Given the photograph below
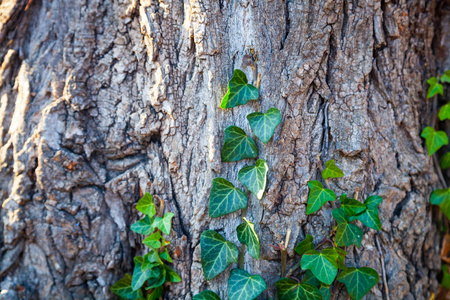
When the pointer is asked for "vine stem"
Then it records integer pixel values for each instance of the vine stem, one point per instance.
(386, 287)
(284, 253)
(242, 248)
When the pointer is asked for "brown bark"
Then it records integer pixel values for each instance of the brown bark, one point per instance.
(101, 101)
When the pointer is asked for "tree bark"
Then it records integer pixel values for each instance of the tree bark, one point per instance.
(102, 101)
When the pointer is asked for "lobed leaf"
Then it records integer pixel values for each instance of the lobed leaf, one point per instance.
(238, 145)
(322, 264)
(225, 198)
(216, 253)
(370, 217)
(165, 255)
(289, 289)
(445, 162)
(206, 295)
(348, 234)
(446, 77)
(331, 170)
(156, 293)
(444, 112)
(122, 288)
(351, 206)
(305, 245)
(155, 282)
(318, 196)
(171, 275)
(441, 197)
(254, 178)
(146, 206)
(242, 286)
(263, 125)
(143, 226)
(153, 241)
(325, 292)
(165, 223)
(358, 281)
(434, 139)
(151, 260)
(139, 276)
(445, 282)
(435, 87)
(247, 235)
(239, 91)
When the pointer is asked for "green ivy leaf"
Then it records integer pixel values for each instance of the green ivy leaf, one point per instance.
(435, 87)
(216, 253)
(322, 264)
(348, 234)
(445, 162)
(370, 217)
(351, 206)
(305, 245)
(263, 125)
(122, 288)
(171, 275)
(143, 226)
(288, 289)
(164, 223)
(225, 198)
(340, 215)
(254, 177)
(155, 293)
(145, 205)
(158, 281)
(239, 91)
(358, 281)
(445, 283)
(139, 276)
(444, 112)
(325, 292)
(151, 260)
(309, 278)
(238, 145)
(442, 198)
(434, 139)
(206, 295)
(331, 170)
(446, 77)
(247, 235)
(318, 196)
(165, 255)
(242, 286)
(153, 241)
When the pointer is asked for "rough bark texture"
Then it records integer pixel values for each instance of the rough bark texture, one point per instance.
(104, 100)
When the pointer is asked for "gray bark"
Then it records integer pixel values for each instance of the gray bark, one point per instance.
(104, 100)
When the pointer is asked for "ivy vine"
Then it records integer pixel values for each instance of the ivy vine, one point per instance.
(322, 268)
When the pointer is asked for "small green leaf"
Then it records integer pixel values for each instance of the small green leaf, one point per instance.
(318, 196)
(122, 288)
(331, 170)
(445, 162)
(238, 145)
(445, 283)
(254, 177)
(442, 198)
(155, 293)
(247, 235)
(164, 223)
(151, 260)
(145, 205)
(216, 253)
(446, 77)
(139, 276)
(435, 87)
(239, 91)
(242, 286)
(351, 206)
(143, 226)
(370, 217)
(373, 201)
(153, 241)
(206, 295)
(263, 125)
(434, 139)
(305, 245)
(309, 278)
(165, 255)
(348, 234)
(171, 275)
(157, 281)
(358, 281)
(288, 289)
(325, 292)
(225, 198)
(444, 112)
(340, 215)
(322, 264)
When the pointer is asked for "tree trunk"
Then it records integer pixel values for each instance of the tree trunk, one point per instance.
(104, 100)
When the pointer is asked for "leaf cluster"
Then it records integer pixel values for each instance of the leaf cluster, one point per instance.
(150, 271)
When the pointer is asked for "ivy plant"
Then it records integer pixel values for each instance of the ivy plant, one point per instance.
(150, 271)
(324, 266)
(435, 140)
